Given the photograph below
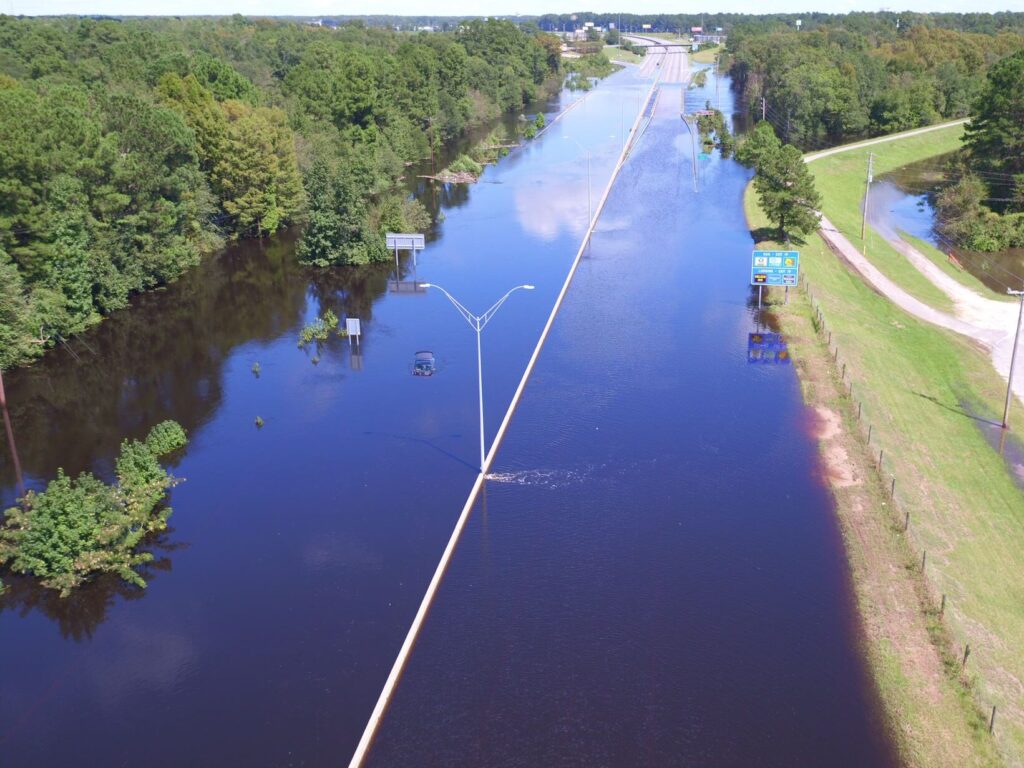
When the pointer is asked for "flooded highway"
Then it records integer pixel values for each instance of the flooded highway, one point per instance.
(652, 576)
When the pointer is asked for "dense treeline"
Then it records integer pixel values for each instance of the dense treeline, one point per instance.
(130, 148)
(835, 84)
(863, 22)
(983, 208)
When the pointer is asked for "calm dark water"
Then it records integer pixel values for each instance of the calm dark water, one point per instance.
(299, 552)
(655, 576)
(903, 201)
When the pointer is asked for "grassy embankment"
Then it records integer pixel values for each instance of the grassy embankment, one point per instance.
(705, 55)
(615, 53)
(920, 389)
(844, 175)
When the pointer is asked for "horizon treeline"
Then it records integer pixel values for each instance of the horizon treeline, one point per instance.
(132, 147)
(834, 84)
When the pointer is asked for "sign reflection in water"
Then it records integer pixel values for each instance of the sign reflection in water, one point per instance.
(767, 348)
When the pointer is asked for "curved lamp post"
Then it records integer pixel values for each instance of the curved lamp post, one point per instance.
(478, 323)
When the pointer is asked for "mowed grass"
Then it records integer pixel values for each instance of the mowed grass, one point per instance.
(923, 391)
(842, 180)
(705, 55)
(615, 53)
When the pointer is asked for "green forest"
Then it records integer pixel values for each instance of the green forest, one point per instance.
(836, 84)
(131, 148)
(839, 83)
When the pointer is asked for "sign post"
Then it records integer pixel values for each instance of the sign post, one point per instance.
(405, 242)
(778, 268)
(353, 329)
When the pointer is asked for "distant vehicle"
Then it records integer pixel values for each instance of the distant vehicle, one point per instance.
(424, 364)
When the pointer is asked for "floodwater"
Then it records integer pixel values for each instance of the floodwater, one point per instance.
(656, 577)
(298, 553)
(903, 202)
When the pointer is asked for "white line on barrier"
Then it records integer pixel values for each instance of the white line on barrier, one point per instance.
(363, 748)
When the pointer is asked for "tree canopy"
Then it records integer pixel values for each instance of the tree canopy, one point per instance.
(783, 184)
(132, 147)
(838, 82)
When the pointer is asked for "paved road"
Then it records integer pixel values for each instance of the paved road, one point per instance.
(668, 60)
(991, 323)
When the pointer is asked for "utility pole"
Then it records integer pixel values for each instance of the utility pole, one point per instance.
(867, 192)
(764, 108)
(1013, 358)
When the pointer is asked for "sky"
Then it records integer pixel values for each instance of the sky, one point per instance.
(479, 7)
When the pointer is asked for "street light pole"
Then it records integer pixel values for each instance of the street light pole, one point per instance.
(1013, 358)
(478, 323)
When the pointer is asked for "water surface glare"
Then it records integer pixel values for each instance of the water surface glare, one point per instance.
(653, 575)
(298, 552)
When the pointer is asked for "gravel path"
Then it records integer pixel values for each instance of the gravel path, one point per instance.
(989, 322)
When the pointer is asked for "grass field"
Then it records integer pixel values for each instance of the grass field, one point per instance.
(844, 176)
(928, 395)
(705, 55)
(615, 53)
(962, 276)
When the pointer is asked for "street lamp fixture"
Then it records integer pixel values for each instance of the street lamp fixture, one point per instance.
(478, 323)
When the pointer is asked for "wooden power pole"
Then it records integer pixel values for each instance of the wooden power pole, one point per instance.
(867, 193)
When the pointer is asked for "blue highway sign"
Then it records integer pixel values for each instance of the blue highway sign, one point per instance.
(775, 268)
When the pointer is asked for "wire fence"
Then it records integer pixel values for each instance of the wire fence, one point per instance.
(885, 472)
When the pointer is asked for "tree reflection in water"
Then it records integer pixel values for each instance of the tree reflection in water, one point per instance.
(79, 615)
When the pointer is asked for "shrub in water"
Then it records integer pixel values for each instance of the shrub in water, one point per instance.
(81, 526)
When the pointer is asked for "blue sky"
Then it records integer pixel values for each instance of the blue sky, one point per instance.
(477, 7)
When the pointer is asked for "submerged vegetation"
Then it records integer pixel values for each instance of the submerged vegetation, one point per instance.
(714, 131)
(79, 527)
(320, 329)
(133, 146)
(580, 72)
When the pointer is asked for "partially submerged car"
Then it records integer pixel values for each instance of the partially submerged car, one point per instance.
(424, 364)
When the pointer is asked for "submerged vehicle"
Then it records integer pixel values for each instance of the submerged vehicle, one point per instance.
(423, 364)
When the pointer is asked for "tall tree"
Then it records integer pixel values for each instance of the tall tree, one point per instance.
(995, 135)
(786, 190)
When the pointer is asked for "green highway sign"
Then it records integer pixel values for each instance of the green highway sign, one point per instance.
(775, 268)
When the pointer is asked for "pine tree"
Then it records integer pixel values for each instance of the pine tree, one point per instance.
(786, 191)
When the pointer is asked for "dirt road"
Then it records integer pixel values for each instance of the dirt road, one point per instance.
(989, 322)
